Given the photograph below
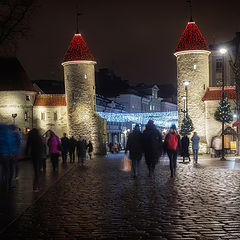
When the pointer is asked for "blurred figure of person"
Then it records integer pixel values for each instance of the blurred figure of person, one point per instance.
(5, 151)
(195, 146)
(172, 146)
(43, 156)
(135, 148)
(54, 144)
(185, 147)
(90, 149)
(152, 144)
(65, 147)
(217, 145)
(34, 150)
(110, 145)
(81, 150)
(72, 148)
(14, 150)
(115, 148)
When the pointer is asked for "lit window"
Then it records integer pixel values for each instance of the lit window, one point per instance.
(25, 116)
(43, 116)
(150, 107)
(85, 76)
(153, 107)
(194, 66)
(55, 116)
(219, 62)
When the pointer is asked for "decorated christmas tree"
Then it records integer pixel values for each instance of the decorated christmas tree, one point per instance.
(187, 126)
(224, 113)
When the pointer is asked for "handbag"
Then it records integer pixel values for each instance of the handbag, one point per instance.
(126, 164)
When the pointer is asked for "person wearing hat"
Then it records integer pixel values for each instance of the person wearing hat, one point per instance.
(135, 148)
(172, 145)
(152, 140)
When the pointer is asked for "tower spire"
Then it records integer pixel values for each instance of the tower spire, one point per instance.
(190, 9)
(77, 16)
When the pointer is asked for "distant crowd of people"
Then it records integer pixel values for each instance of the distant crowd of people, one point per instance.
(38, 148)
(151, 144)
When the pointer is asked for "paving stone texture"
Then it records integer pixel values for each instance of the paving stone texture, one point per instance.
(99, 201)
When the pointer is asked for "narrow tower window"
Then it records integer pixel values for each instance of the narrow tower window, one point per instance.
(85, 76)
(43, 116)
(55, 116)
(195, 67)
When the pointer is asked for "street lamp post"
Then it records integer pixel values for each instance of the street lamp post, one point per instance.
(223, 51)
(184, 104)
(186, 84)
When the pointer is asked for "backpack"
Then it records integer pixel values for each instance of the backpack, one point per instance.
(172, 141)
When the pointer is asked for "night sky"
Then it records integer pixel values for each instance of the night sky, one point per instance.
(136, 38)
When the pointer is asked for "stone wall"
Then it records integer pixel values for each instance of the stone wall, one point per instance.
(55, 119)
(19, 102)
(82, 118)
(193, 66)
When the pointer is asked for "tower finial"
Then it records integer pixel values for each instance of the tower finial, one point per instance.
(78, 14)
(190, 9)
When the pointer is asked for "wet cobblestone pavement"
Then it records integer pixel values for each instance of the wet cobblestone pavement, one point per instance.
(99, 201)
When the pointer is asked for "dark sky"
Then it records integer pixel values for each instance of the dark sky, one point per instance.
(136, 38)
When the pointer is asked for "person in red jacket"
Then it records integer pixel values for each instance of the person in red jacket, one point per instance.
(172, 145)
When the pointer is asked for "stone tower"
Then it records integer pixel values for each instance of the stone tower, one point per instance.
(193, 66)
(79, 77)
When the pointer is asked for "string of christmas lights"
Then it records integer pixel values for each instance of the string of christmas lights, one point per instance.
(78, 50)
(192, 39)
(161, 119)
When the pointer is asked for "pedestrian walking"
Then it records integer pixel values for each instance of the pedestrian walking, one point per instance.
(90, 149)
(185, 147)
(195, 146)
(72, 148)
(152, 144)
(217, 145)
(65, 148)
(43, 156)
(81, 150)
(172, 145)
(15, 138)
(34, 149)
(54, 145)
(135, 148)
(5, 151)
(110, 145)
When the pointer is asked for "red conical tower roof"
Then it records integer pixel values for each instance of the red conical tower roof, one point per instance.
(191, 39)
(78, 50)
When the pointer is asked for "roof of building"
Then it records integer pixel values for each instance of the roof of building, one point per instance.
(50, 100)
(12, 75)
(215, 93)
(78, 50)
(50, 86)
(191, 39)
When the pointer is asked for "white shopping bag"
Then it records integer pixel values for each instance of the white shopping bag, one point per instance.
(126, 164)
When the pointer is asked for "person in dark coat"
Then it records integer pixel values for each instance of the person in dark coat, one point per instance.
(172, 145)
(135, 148)
(34, 149)
(90, 149)
(81, 150)
(152, 143)
(185, 147)
(72, 148)
(65, 147)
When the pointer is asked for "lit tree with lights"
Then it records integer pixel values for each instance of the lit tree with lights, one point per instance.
(224, 112)
(187, 126)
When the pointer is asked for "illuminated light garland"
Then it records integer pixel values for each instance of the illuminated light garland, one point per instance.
(78, 50)
(161, 119)
(191, 39)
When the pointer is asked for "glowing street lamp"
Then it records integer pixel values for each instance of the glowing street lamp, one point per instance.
(223, 51)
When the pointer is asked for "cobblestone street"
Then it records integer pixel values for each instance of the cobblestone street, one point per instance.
(99, 201)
